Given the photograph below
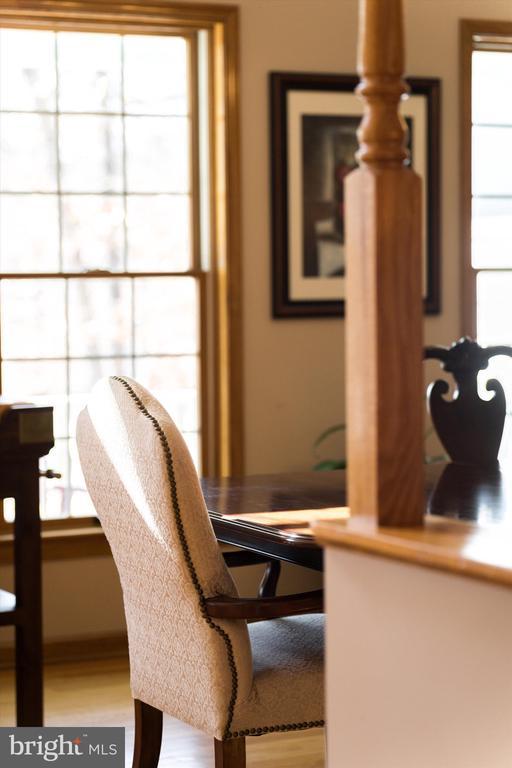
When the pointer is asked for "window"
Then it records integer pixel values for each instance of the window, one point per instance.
(486, 204)
(112, 214)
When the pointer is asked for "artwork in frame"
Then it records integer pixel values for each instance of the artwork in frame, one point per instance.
(314, 119)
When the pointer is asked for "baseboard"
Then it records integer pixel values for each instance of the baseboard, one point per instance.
(109, 646)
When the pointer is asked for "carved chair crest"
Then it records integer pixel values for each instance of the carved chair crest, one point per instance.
(469, 428)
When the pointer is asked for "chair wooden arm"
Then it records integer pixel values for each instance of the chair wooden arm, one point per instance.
(223, 607)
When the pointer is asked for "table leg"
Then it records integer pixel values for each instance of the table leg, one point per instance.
(27, 577)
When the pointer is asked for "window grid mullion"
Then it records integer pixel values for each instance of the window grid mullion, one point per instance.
(92, 358)
(125, 185)
(125, 211)
(132, 309)
(89, 113)
(57, 154)
(66, 469)
(86, 193)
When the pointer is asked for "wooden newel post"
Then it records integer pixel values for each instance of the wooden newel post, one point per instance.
(384, 304)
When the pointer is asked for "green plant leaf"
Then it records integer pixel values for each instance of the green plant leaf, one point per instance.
(330, 431)
(328, 464)
(436, 459)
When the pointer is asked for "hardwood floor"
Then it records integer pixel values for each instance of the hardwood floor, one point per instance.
(98, 693)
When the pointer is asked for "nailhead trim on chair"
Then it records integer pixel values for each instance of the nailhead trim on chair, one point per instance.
(186, 551)
(199, 590)
(278, 728)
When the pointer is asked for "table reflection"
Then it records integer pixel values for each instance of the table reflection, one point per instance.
(477, 494)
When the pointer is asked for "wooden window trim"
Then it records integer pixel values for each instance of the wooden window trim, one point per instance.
(221, 23)
(72, 543)
(468, 29)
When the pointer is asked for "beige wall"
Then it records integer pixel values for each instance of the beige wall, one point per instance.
(294, 369)
(423, 665)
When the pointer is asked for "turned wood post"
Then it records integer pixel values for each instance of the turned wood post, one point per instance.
(384, 302)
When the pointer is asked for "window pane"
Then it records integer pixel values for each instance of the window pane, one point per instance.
(83, 375)
(157, 154)
(29, 233)
(27, 70)
(492, 161)
(89, 72)
(80, 504)
(158, 233)
(494, 307)
(491, 234)
(92, 232)
(500, 368)
(28, 161)
(99, 317)
(155, 75)
(91, 153)
(32, 318)
(42, 382)
(166, 316)
(76, 476)
(491, 78)
(175, 382)
(192, 441)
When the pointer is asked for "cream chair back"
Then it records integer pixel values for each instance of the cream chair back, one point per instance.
(146, 492)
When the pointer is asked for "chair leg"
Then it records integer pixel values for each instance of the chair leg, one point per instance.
(270, 578)
(230, 754)
(148, 735)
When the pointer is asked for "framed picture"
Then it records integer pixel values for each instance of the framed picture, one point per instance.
(314, 119)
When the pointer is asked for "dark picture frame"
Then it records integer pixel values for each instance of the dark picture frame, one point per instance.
(312, 149)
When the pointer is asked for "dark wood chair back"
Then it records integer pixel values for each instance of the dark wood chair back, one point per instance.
(469, 428)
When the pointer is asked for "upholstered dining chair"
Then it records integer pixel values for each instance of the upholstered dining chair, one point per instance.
(192, 653)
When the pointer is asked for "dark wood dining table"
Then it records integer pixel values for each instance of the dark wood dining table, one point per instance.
(270, 514)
